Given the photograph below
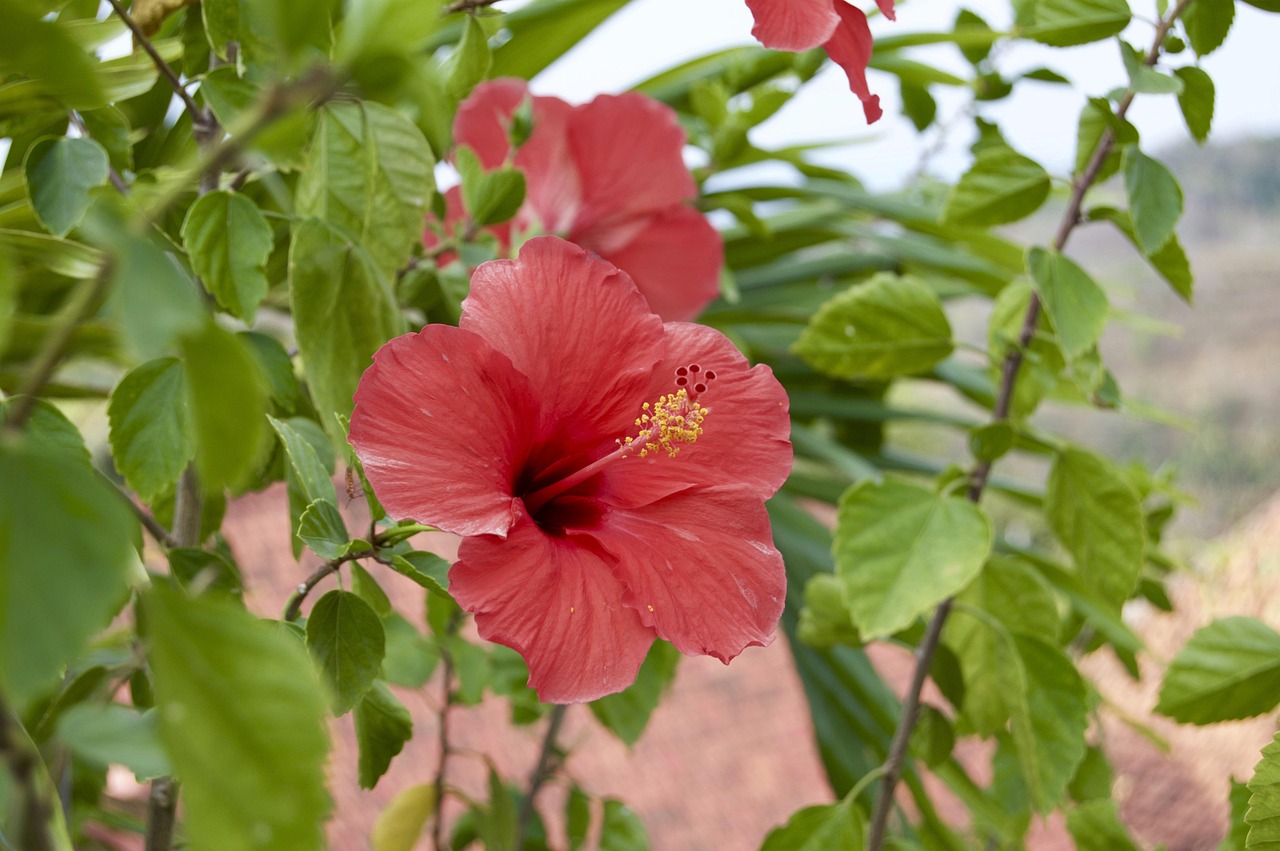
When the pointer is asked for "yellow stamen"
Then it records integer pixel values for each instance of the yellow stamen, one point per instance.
(670, 422)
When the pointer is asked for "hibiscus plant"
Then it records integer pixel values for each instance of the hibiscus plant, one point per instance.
(544, 396)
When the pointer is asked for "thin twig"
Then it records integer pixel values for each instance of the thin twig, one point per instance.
(198, 116)
(116, 180)
(146, 518)
(294, 605)
(442, 737)
(543, 770)
(1009, 369)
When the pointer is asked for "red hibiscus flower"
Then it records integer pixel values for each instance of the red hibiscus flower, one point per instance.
(608, 175)
(607, 471)
(839, 27)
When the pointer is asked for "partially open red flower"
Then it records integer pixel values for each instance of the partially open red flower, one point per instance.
(607, 471)
(839, 27)
(608, 175)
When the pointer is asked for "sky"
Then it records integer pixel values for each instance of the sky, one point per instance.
(1039, 119)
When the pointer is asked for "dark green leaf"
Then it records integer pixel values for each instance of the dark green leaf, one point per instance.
(1096, 826)
(383, 726)
(627, 713)
(114, 734)
(622, 829)
(346, 638)
(1095, 119)
(902, 549)
(367, 588)
(825, 619)
(60, 173)
(1229, 669)
(577, 818)
(885, 327)
(1263, 816)
(1196, 101)
(410, 658)
(1098, 518)
(427, 569)
(1155, 199)
(1076, 305)
(490, 197)
(400, 824)
(1207, 23)
(933, 738)
(66, 551)
(1238, 833)
(470, 62)
(238, 698)
(820, 828)
(152, 437)
(343, 310)
(229, 242)
(369, 175)
(1001, 186)
(200, 570)
(277, 368)
(321, 528)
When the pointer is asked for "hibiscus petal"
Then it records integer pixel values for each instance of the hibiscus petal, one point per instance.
(746, 435)
(886, 9)
(577, 327)
(792, 24)
(850, 48)
(482, 119)
(675, 260)
(441, 424)
(701, 569)
(629, 153)
(555, 601)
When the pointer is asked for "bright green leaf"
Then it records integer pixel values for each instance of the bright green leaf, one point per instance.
(238, 699)
(151, 433)
(383, 726)
(627, 713)
(1263, 816)
(1076, 305)
(885, 327)
(470, 61)
(1238, 834)
(114, 734)
(229, 242)
(1001, 186)
(622, 829)
(1196, 100)
(490, 197)
(345, 636)
(1064, 23)
(427, 569)
(1155, 199)
(44, 52)
(902, 549)
(1143, 79)
(1096, 826)
(400, 824)
(1207, 23)
(60, 173)
(321, 528)
(820, 828)
(1229, 669)
(544, 30)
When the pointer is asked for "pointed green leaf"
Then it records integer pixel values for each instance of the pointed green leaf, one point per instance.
(1196, 100)
(66, 551)
(321, 528)
(1076, 305)
(820, 829)
(1155, 199)
(490, 197)
(544, 30)
(1229, 669)
(343, 311)
(627, 713)
(427, 569)
(885, 327)
(364, 586)
(1064, 23)
(1143, 79)
(369, 175)
(60, 173)
(238, 700)
(1238, 834)
(346, 638)
(1097, 516)
(1170, 261)
(1001, 186)
(152, 437)
(1263, 816)
(114, 734)
(902, 549)
(470, 61)
(383, 725)
(410, 658)
(229, 242)
(1096, 826)
(1207, 23)
(622, 829)
(400, 824)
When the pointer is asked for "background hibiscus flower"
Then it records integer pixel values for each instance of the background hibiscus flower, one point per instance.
(609, 176)
(581, 546)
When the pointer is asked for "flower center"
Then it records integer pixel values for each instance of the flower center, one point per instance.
(666, 425)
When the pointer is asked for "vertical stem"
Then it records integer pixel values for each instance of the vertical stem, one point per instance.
(1009, 369)
(437, 827)
(36, 811)
(541, 771)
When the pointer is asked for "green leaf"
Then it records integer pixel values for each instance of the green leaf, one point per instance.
(992, 441)
(379, 32)
(577, 817)
(345, 636)
(238, 698)
(470, 61)
(322, 529)
(115, 734)
(1064, 23)
(383, 726)
(1207, 23)
(627, 713)
(1143, 79)
(1155, 199)
(369, 175)
(1098, 518)
(204, 569)
(410, 658)
(427, 569)
(229, 242)
(44, 52)
(825, 619)
(622, 829)
(151, 431)
(277, 368)
(60, 172)
(400, 824)
(544, 30)
(1001, 186)
(1095, 119)
(886, 327)
(1076, 305)
(235, 100)
(498, 825)
(1263, 816)
(820, 829)
(343, 311)
(66, 551)
(490, 197)
(1196, 100)
(1170, 261)
(1238, 833)
(366, 588)
(1096, 826)
(307, 476)
(228, 407)
(902, 549)
(1229, 669)
(1093, 777)
(933, 738)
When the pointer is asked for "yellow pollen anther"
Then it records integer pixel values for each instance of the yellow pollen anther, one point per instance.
(667, 424)
(572, 610)
(651, 608)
